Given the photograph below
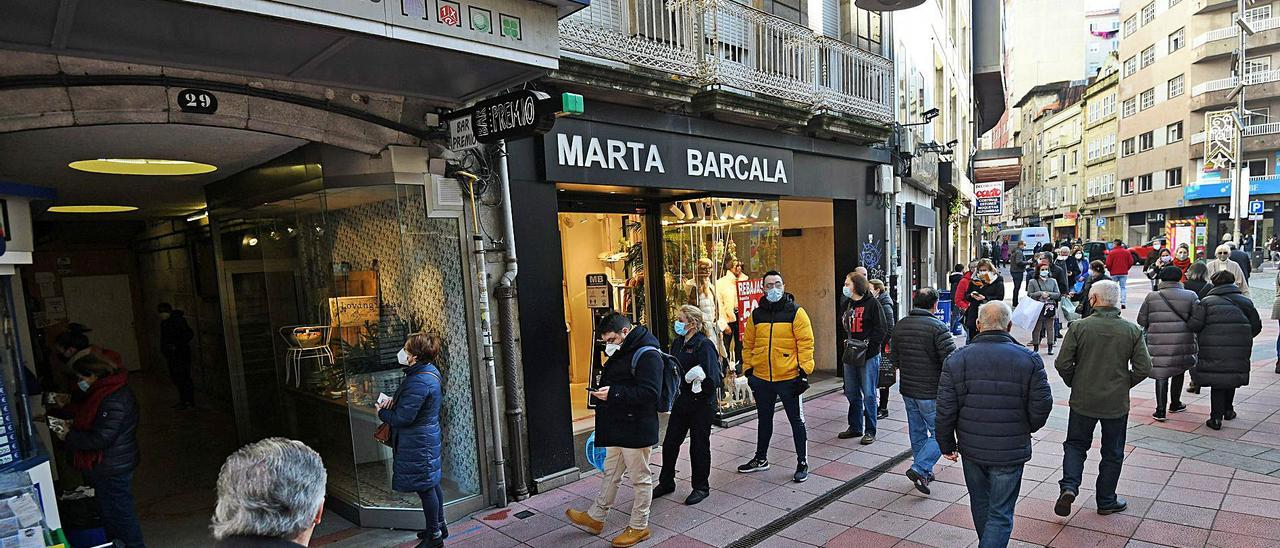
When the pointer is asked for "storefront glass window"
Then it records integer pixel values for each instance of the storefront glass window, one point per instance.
(702, 241)
(325, 288)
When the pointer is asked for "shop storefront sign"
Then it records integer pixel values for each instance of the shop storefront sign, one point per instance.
(989, 199)
(595, 153)
(514, 115)
(597, 291)
(353, 311)
(749, 294)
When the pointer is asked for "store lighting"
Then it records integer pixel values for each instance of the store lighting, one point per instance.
(197, 216)
(675, 210)
(92, 209)
(719, 210)
(141, 166)
(250, 240)
(743, 207)
(755, 210)
(688, 210)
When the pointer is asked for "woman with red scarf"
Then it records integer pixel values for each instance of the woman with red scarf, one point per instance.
(104, 445)
(1182, 259)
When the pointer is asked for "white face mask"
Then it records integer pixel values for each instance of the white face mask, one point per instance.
(610, 348)
(403, 357)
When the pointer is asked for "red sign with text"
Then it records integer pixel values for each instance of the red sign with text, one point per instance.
(749, 294)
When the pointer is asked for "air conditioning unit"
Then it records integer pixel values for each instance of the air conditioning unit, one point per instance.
(907, 143)
(882, 179)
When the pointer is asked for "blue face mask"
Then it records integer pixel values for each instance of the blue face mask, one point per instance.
(84, 385)
(848, 293)
(774, 295)
(681, 328)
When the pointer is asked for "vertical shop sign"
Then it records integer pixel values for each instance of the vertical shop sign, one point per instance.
(1221, 141)
(749, 294)
(599, 301)
(989, 199)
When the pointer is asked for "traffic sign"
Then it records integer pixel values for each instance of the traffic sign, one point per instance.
(1102, 222)
(1255, 207)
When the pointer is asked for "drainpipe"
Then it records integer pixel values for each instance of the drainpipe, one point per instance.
(506, 292)
(486, 333)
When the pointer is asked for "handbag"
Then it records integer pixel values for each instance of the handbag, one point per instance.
(888, 374)
(1050, 308)
(382, 434)
(855, 352)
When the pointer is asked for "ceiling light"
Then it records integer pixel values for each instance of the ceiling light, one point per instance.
(675, 210)
(141, 166)
(92, 209)
(250, 240)
(197, 216)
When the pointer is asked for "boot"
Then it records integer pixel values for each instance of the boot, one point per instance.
(1051, 350)
(583, 520)
(631, 537)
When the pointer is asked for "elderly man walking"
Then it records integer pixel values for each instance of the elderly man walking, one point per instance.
(922, 344)
(1095, 363)
(270, 494)
(992, 395)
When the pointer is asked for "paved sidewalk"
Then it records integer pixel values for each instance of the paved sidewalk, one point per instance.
(1186, 485)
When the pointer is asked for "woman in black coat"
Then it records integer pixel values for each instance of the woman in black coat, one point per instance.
(1226, 323)
(1197, 281)
(1097, 273)
(987, 286)
(695, 408)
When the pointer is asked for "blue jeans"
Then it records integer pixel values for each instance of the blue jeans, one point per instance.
(860, 390)
(767, 394)
(1123, 281)
(114, 494)
(924, 441)
(993, 491)
(1076, 448)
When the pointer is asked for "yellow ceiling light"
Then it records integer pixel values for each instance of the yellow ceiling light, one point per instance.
(92, 209)
(141, 166)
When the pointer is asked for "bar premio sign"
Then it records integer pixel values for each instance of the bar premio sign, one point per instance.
(594, 153)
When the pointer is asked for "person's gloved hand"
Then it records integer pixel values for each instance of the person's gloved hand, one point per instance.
(695, 376)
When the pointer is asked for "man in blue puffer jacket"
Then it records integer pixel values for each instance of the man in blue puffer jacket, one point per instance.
(992, 395)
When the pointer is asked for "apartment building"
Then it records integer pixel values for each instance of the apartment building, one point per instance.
(1098, 219)
(1063, 161)
(1050, 133)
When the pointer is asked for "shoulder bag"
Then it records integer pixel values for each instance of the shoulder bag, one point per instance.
(383, 433)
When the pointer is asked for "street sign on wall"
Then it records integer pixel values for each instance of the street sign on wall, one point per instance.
(989, 199)
(1221, 139)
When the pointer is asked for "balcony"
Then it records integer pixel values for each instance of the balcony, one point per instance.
(723, 45)
(1214, 93)
(1219, 43)
(1257, 137)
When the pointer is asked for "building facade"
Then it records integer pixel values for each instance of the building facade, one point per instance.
(1063, 162)
(1098, 219)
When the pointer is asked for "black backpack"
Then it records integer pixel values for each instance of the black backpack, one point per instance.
(669, 389)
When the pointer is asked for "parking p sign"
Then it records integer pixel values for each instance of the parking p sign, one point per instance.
(1255, 207)
(1102, 222)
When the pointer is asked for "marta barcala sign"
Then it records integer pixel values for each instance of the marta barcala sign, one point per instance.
(598, 153)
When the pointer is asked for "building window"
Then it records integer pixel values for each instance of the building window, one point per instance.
(1255, 14)
(1173, 132)
(1130, 25)
(1148, 56)
(1146, 141)
(1109, 104)
(1148, 99)
(1130, 66)
(1075, 160)
(1091, 189)
(1257, 116)
(1148, 13)
(863, 29)
(1144, 183)
(1109, 144)
(1126, 187)
(1257, 64)
(1173, 3)
(1176, 85)
(1177, 39)
(1256, 167)
(1173, 177)
(1109, 184)
(1127, 147)
(1130, 107)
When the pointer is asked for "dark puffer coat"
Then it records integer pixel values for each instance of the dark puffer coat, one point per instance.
(993, 394)
(415, 430)
(114, 433)
(629, 418)
(1226, 322)
(921, 344)
(697, 351)
(1172, 344)
(993, 292)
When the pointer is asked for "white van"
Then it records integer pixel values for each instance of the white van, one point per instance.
(1033, 236)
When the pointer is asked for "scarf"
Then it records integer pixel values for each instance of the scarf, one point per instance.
(87, 412)
(1183, 265)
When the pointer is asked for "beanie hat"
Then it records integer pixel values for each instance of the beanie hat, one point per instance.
(1170, 274)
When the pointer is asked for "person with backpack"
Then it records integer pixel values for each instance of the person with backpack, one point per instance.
(627, 405)
(777, 348)
(694, 409)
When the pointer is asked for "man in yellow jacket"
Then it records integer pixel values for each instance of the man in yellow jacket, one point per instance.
(777, 357)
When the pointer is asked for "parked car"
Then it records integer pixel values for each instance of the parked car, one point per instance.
(1095, 250)
(1141, 252)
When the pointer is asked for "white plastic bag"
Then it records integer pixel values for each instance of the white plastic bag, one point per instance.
(1068, 310)
(1027, 313)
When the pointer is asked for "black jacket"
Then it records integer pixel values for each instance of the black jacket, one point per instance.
(1201, 287)
(114, 432)
(1061, 271)
(890, 319)
(175, 337)
(993, 291)
(864, 320)
(629, 418)
(1241, 258)
(1083, 297)
(993, 394)
(1226, 323)
(1073, 274)
(922, 343)
(697, 351)
(1017, 261)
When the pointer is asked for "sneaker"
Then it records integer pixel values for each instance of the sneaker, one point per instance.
(631, 537)
(1120, 506)
(754, 465)
(696, 496)
(663, 489)
(1178, 407)
(882, 414)
(1159, 416)
(849, 434)
(1063, 506)
(802, 472)
(868, 439)
(921, 482)
(583, 520)
(1193, 389)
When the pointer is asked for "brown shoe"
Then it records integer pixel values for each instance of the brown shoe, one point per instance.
(631, 537)
(581, 519)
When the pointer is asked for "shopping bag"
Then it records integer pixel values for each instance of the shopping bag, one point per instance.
(1068, 309)
(1027, 313)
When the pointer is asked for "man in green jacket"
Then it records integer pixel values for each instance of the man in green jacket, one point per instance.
(1095, 363)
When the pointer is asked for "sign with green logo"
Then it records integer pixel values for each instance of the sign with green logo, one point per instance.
(511, 26)
(481, 20)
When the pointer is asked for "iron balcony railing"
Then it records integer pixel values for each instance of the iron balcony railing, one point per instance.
(721, 43)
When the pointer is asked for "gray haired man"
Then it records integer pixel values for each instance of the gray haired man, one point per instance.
(270, 494)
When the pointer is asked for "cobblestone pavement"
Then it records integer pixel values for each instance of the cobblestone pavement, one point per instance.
(1187, 485)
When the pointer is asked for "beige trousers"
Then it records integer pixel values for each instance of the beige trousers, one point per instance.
(635, 462)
